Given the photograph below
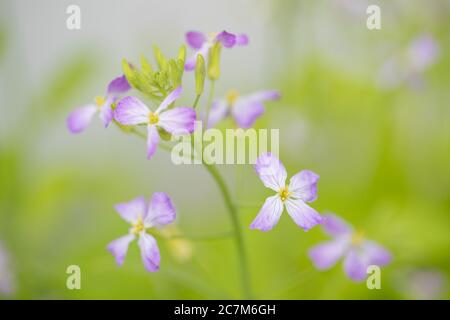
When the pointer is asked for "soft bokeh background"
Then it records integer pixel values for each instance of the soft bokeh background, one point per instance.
(383, 151)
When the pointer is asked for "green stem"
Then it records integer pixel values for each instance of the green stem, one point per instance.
(194, 237)
(237, 230)
(197, 99)
(210, 100)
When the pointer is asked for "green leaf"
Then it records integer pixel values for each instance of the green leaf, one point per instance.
(131, 74)
(146, 67)
(182, 53)
(160, 59)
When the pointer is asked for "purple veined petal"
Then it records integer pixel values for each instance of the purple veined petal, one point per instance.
(195, 39)
(132, 210)
(219, 111)
(119, 248)
(228, 40)
(161, 210)
(131, 111)
(117, 86)
(326, 254)
(149, 252)
(80, 118)
(178, 121)
(271, 171)
(336, 226)
(355, 265)
(152, 140)
(246, 112)
(269, 214)
(171, 97)
(376, 254)
(264, 95)
(192, 60)
(302, 214)
(303, 185)
(242, 39)
(106, 113)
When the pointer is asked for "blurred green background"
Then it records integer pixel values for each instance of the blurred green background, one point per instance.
(382, 152)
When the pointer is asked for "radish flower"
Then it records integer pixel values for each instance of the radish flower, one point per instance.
(357, 252)
(302, 188)
(243, 109)
(80, 118)
(178, 121)
(201, 43)
(159, 212)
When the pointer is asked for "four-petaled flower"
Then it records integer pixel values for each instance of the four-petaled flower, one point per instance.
(302, 188)
(201, 43)
(79, 119)
(177, 121)
(244, 109)
(358, 252)
(160, 211)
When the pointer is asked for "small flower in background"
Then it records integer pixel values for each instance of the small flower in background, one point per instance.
(7, 281)
(358, 253)
(244, 109)
(423, 284)
(178, 121)
(302, 188)
(180, 248)
(409, 66)
(159, 212)
(80, 118)
(201, 43)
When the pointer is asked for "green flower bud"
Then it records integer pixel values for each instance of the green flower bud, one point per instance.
(214, 61)
(200, 74)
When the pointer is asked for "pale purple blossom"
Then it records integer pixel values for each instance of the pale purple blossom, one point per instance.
(142, 216)
(302, 188)
(358, 252)
(177, 121)
(243, 109)
(201, 43)
(80, 118)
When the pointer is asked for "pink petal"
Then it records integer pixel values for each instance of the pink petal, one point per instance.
(242, 39)
(79, 119)
(132, 210)
(355, 265)
(218, 112)
(178, 121)
(152, 140)
(119, 248)
(326, 254)
(376, 254)
(269, 214)
(118, 85)
(336, 226)
(149, 252)
(228, 40)
(106, 113)
(131, 111)
(161, 210)
(195, 39)
(171, 97)
(271, 171)
(303, 185)
(245, 112)
(263, 95)
(302, 214)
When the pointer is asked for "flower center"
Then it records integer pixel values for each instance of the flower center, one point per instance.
(284, 193)
(358, 237)
(232, 97)
(153, 118)
(99, 101)
(138, 227)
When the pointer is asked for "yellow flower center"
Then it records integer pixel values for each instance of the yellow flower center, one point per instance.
(284, 193)
(358, 237)
(153, 118)
(138, 227)
(232, 97)
(99, 101)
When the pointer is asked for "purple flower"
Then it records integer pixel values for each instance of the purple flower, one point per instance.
(302, 188)
(423, 52)
(80, 118)
(244, 109)
(201, 43)
(178, 121)
(358, 253)
(159, 212)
